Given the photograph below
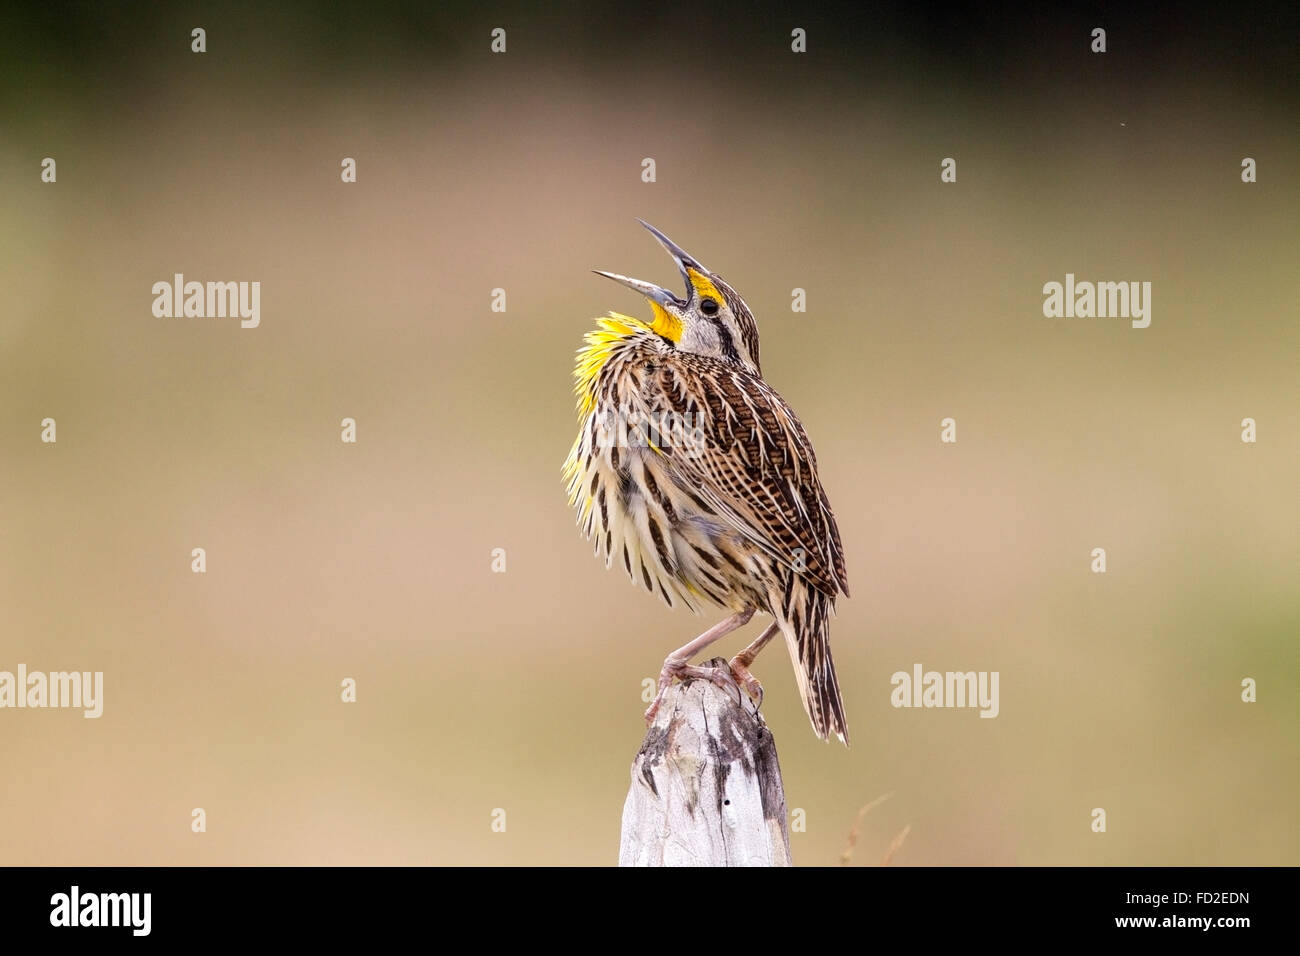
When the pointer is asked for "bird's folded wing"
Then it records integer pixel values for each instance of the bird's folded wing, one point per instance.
(745, 453)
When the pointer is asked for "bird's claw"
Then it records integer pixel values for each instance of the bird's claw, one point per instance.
(713, 671)
(740, 674)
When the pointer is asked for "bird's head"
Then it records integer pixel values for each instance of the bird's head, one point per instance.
(710, 319)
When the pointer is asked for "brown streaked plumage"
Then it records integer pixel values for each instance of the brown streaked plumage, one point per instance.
(692, 473)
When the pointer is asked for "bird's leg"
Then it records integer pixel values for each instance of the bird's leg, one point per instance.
(740, 663)
(678, 663)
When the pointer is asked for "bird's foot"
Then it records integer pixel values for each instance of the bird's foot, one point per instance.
(739, 669)
(684, 670)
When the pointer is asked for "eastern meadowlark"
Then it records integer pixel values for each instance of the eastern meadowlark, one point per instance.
(696, 476)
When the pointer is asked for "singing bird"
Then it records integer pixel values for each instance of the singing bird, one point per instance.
(691, 472)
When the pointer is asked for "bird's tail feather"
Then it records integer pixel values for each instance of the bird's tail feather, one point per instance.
(806, 626)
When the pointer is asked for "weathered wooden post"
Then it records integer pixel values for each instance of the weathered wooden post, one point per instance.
(706, 785)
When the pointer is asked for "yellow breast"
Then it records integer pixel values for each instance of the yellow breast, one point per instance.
(602, 343)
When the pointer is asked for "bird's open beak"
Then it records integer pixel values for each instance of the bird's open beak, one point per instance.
(683, 258)
(656, 293)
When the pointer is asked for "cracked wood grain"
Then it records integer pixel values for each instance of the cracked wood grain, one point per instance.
(706, 785)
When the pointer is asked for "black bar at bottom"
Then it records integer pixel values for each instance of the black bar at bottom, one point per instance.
(382, 904)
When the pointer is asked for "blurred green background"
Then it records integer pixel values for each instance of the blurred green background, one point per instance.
(522, 171)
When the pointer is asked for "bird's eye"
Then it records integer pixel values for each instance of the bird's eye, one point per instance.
(709, 307)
